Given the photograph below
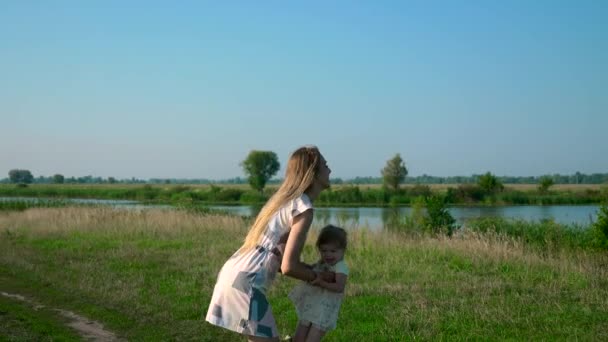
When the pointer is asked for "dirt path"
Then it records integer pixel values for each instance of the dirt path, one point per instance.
(89, 330)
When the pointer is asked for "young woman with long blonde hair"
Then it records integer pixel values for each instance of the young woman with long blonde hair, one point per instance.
(274, 242)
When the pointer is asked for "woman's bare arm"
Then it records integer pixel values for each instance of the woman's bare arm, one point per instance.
(291, 264)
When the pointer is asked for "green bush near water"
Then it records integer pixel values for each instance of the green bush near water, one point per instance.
(600, 228)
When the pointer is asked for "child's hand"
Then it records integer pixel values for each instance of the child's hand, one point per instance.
(329, 277)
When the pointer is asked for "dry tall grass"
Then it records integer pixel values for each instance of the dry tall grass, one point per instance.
(43, 221)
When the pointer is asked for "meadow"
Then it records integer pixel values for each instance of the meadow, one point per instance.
(148, 276)
(339, 195)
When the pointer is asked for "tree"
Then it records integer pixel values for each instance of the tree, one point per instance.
(111, 180)
(20, 176)
(545, 183)
(489, 183)
(58, 179)
(394, 172)
(260, 166)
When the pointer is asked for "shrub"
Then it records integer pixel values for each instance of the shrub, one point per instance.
(439, 219)
(396, 200)
(516, 197)
(489, 183)
(465, 193)
(344, 195)
(253, 197)
(420, 190)
(545, 183)
(374, 196)
(600, 228)
(229, 195)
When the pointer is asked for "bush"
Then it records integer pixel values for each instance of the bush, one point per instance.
(517, 197)
(253, 197)
(229, 195)
(544, 184)
(374, 196)
(396, 200)
(439, 219)
(465, 193)
(489, 183)
(420, 190)
(343, 195)
(604, 192)
(147, 192)
(416, 221)
(178, 189)
(600, 228)
(349, 194)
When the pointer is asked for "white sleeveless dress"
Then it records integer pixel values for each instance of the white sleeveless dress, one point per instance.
(239, 298)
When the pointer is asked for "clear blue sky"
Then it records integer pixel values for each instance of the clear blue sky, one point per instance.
(186, 89)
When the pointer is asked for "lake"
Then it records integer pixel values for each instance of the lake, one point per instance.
(375, 218)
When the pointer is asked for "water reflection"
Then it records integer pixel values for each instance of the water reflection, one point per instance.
(347, 217)
(392, 218)
(323, 217)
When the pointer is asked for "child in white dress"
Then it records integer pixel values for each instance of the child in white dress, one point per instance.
(318, 302)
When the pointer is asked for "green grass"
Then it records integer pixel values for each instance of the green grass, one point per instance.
(19, 321)
(543, 235)
(148, 276)
(339, 195)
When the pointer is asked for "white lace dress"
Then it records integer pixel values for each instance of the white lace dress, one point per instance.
(317, 305)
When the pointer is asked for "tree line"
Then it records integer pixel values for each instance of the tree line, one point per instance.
(261, 166)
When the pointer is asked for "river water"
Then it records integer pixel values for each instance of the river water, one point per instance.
(376, 218)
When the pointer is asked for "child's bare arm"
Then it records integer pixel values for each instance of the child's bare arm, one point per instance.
(337, 286)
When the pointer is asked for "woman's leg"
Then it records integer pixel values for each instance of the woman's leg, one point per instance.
(315, 334)
(301, 331)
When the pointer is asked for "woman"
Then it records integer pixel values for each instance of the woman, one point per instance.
(274, 243)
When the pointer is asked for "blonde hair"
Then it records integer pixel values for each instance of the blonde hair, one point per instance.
(301, 172)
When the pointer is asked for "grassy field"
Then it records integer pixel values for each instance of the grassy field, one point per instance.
(519, 187)
(148, 276)
(439, 187)
(338, 196)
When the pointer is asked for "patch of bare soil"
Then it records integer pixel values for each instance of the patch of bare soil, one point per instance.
(89, 330)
